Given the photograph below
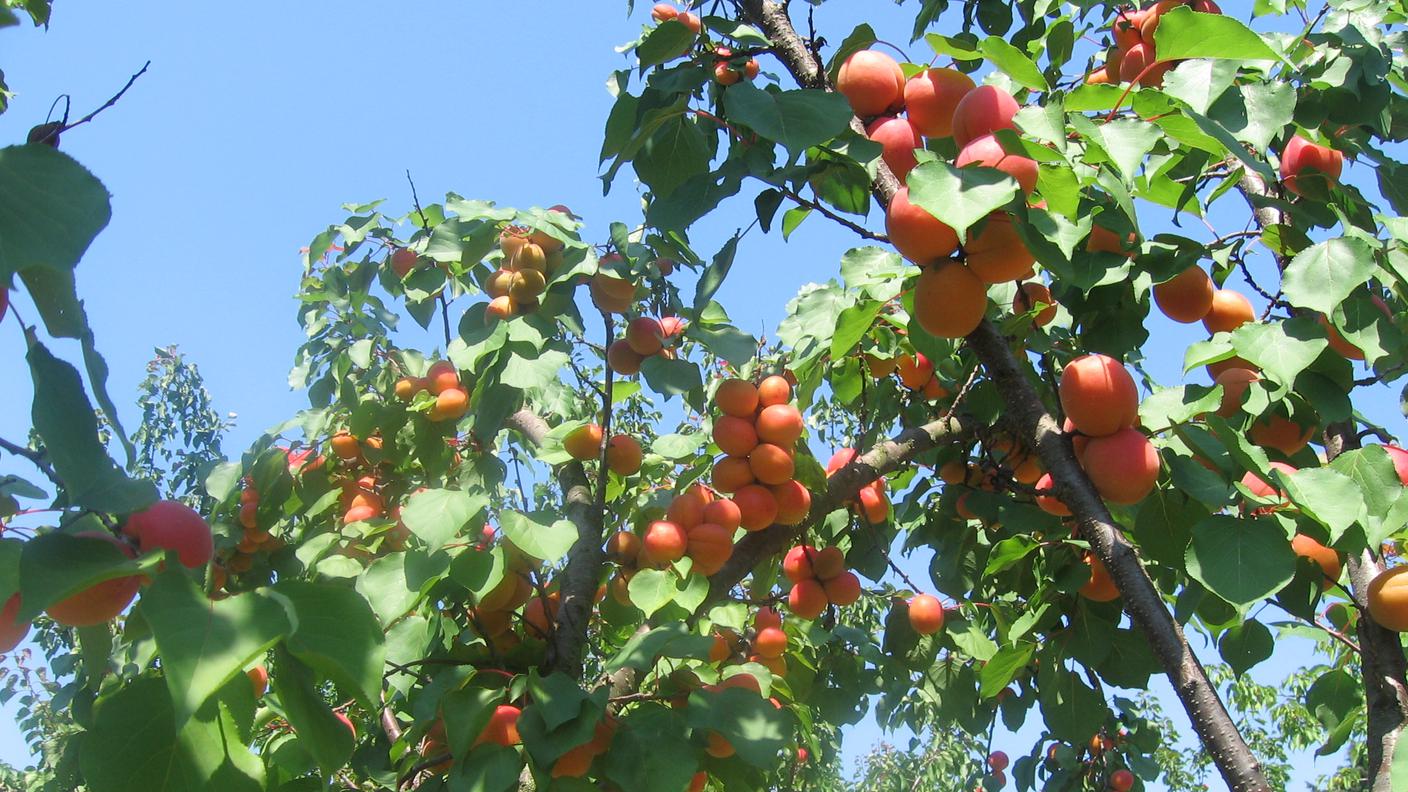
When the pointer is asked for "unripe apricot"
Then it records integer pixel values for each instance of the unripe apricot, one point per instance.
(794, 502)
(1327, 559)
(757, 507)
(403, 261)
(737, 397)
(530, 256)
(1124, 466)
(986, 151)
(931, 97)
(12, 630)
(732, 474)
(828, 562)
(996, 253)
(623, 547)
(780, 424)
(624, 455)
(898, 140)
(1281, 433)
(1309, 167)
(584, 442)
(687, 509)
(872, 82)
(1101, 587)
(770, 642)
(915, 372)
(622, 359)
(100, 602)
(526, 285)
(172, 525)
(735, 436)
(949, 301)
(1050, 503)
(842, 590)
(1388, 599)
(916, 234)
(1230, 310)
(346, 446)
(724, 513)
(926, 614)
(451, 404)
(983, 111)
(774, 390)
(1098, 395)
(1186, 297)
(645, 336)
(797, 564)
(807, 599)
(502, 728)
(1234, 382)
(710, 546)
(664, 543)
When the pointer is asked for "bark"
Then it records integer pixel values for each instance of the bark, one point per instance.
(1234, 760)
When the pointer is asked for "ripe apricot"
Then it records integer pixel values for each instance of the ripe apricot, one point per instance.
(807, 599)
(584, 442)
(915, 372)
(873, 504)
(1234, 382)
(1031, 295)
(771, 464)
(732, 474)
(828, 562)
(172, 525)
(645, 336)
(1310, 167)
(996, 253)
(1230, 310)
(691, 21)
(1326, 558)
(1399, 457)
(983, 111)
(725, 513)
(403, 261)
(258, 680)
(622, 359)
(898, 139)
(500, 309)
(575, 763)
(766, 617)
(735, 436)
(1186, 297)
(451, 404)
(1121, 781)
(1101, 587)
(916, 234)
(737, 397)
(1281, 433)
(717, 746)
(1103, 240)
(1216, 368)
(698, 781)
(842, 590)
(12, 630)
(101, 602)
(930, 98)
(408, 387)
(797, 564)
(1388, 599)
(987, 151)
(757, 507)
(346, 446)
(1124, 466)
(949, 301)
(1338, 343)
(663, 12)
(540, 613)
(623, 547)
(664, 543)
(770, 642)
(525, 286)
(794, 502)
(1261, 487)
(502, 728)
(872, 82)
(710, 546)
(773, 390)
(926, 614)
(623, 455)
(687, 508)
(1098, 395)
(780, 424)
(1050, 503)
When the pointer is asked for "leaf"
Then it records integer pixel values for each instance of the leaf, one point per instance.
(671, 377)
(725, 341)
(668, 40)
(542, 540)
(64, 419)
(756, 729)
(852, 325)
(999, 672)
(960, 197)
(1377, 480)
(438, 516)
(652, 589)
(51, 208)
(1334, 699)
(1184, 33)
(1325, 495)
(1014, 63)
(714, 274)
(204, 643)
(1321, 277)
(1198, 83)
(877, 271)
(1128, 141)
(557, 696)
(651, 751)
(336, 633)
(1072, 710)
(668, 640)
(676, 152)
(1008, 552)
(55, 566)
(679, 446)
(1240, 560)
(531, 373)
(797, 119)
(1281, 349)
(326, 738)
(394, 583)
(1245, 645)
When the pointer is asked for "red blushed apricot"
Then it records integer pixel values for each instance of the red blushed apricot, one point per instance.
(99, 603)
(1110, 72)
(1050, 503)
(1399, 457)
(757, 507)
(915, 372)
(501, 309)
(807, 599)
(725, 513)
(441, 377)
(1345, 349)
(584, 442)
(687, 509)
(718, 746)
(172, 525)
(1230, 310)
(873, 504)
(828, 562)
(1101, 587)
(797, 564)
(773, 390)
(645, 336)
(780, 424)
(996, 253)
(664, 543)
(983, 111)
(1186, 297)
(1234, 382)
(732, 474)
(1327, 559)
(988, 152)
(842, 590)
(1388, 599)
(770, 642)
(1125, 29)
(1140, 64)
(949, 301)
(734, 436)
(623, 547)
(898, 139)
(1309, 167)
(710, 546)
(1124, 466)
(926, 614)
(624, 455)
(930, 98)
(1259, 486)
(1280, 433)
(698, 781)
(258, 681)
(771, 464)
(403, 261)
(872, 82)
(540, 613)
(916, 234)
(502, 728)
(794, 502)
(1098, 395)
(766, 617)
(12, 630)
(736, 397)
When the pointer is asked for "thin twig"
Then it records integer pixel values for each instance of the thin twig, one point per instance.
(415, 199)
(56, 131)
(35, 457)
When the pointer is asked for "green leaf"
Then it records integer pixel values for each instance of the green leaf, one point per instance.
(1245, 645)
(533, 372)
(394, 583)
(1184, 33)
(1281, 349)
(714, 274)
(652, 589)
(487, 768)
(960, 197)
(51, 208)
(1377, 480)
(756, 729)
(1321, 277)
(1240, 560)
(55, 566)
(326, 738)
(557, 696)
(439, 516)
(1128, 141)
(999, 672)
(1073, 711)
(852, 325)
(876, 271)
(64, 420)
(336, 633)
(1014, 63)
(671, 377)
(726, 341)
(676, 152)
(539, 539)
(1198, 83)
(1008, 552)
(797, 119)
(1325, 495)
(668, 640)
(651, 751)
(1170, 406)
(667, 41)
(679, 446)
(204, 643)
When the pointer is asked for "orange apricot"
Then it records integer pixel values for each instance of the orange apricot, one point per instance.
(1281, 433)
(996, 252)
(100, 602)
(1098, 395)
(930, 98)
(710, 546)
(584, 442)
(645, 336)
(807, 599)
(871, 81)
(1230, 310)
(1186, 297)
(794, 502)
(732, 474)
(1050, 503)
(346, 447)
(1326, 558)
(737, 397)
(915, 372)
(771, 464)
(1124, 466)
(664, 543)
(770, 642)
(797, 564)
(623, 547)
(502, 728)
(1304, 163)
(735, 436)
(1388, 599)
(916, 234)
(624, 455)
(1234, 382)
(172, 525)
(842, 590)
(774, 390)
(1101, 587)
(949, 301)
(780, 424)
(926, 614)
(986, 151)
(898, 139)
(687, 508)
(725, 513)
(12, 630)
(1031, 295)
(622, 359)
(451, 404)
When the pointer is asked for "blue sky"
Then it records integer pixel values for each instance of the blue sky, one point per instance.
(249, 131)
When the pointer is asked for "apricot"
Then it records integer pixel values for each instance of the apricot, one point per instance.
(770, 642)
(735, 436)
(664, 543)
(622, 359)
(172, 525)
(794, 502)
(780, 424)
(502, 728)
(718, 746)
(933, 389)
(540, 613)
(347, 723)
(1327, 559)
(949, 301)
(1103, 240)
(1307, 166)
(986, 151)
(1125, 29)
(501, 309)
(926, 614)
(757, 507)
(732, 474)
(346, 447)
(1186, 297)
(1261, 487)
(575, 763)
(843, 589)
(12, 630)
(1124, 466)
(996, 252)
(403, 261)
(710, 546)
(691, 21)
(797, 564)
(698, 781)
(807, 599)
(736, 397)
(725, 513)
(997, 761)
(1230, 310)
(828, 562)
(771, 464)
(915, 372)
(530, 256)
(612, 295)
(879, 367)
(1338, 343)
(720, 650)
(1388, 599)
(1141, 65)
(1234, 382)
(773, 390)
(645, 336)
(1399, 457)
(931, 97)
(584, 442)
(623, 455)
(451, 404)
(101, 602)
(766, 617)
(1216, 368)
(872, 82)
(874, 506)
(258, 680)
(671, 327)
(1050, 503)
(843, 457)
(664, 12)
(1281, 433)
(916, 234)
(1122, 780)
(1098, 395)
(1101, 587)
(687, 509)
(898, 139)
(983, 111)
(725, 74)
(623, 547)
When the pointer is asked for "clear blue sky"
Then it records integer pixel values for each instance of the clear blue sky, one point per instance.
(250, 129)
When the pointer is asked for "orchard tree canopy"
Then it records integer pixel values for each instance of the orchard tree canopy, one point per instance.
(604, 538)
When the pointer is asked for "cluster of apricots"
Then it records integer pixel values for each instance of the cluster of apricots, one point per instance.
(819, 578)
(610, 293)
(1133, 58)
(623, 452)
(757, 429)
(645, 337)
(664, 12)
(530, 257)
(915, 372)
(443, 382)
(729, 69)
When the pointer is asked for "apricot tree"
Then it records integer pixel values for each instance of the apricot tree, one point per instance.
(588, 543)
